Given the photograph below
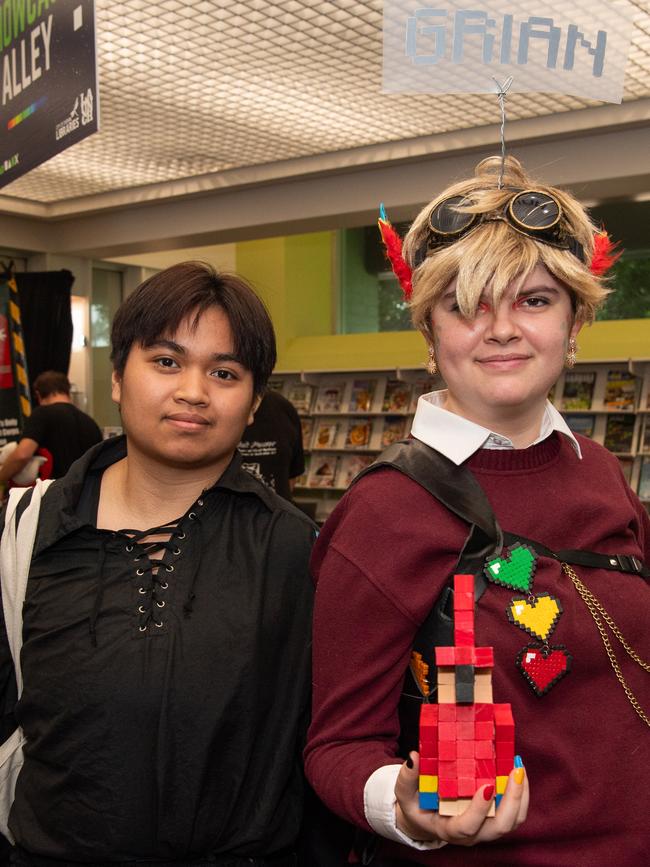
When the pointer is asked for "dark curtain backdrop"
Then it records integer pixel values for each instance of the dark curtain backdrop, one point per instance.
(46, 315)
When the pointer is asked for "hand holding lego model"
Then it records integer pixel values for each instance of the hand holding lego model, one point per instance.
(447, 791)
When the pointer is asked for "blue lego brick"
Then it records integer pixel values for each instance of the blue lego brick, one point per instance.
(497, 799)
(429, 800)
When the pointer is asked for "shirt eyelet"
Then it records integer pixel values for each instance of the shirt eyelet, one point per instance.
(181, 536)
(169, 568)
(160, 604)
(199, 502)
(164, 585)
(139, 571)
(142, 628)
(142, 609)
(159, 625)
(192, 516)
(176, 551)
(141, 591)
(129, 548)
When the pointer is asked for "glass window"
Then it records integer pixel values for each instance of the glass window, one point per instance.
(106, 298)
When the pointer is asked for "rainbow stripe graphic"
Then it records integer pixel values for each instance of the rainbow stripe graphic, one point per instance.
(27, 112)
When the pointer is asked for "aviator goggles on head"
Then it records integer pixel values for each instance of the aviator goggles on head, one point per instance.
(530, 212)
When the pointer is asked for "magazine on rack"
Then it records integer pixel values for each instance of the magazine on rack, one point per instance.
(394, 429)
(300, 395)
(351, 466)
(420, 387)
(325, 435)
(397, 397)
(620, 390)
(301, 481)
(581, 424)
(322, 471)
(330, 397)
(358, 433)
(307, 428)
(275, 384)
(363, 392)
(645, 438)
(578, 390)
(619, 433)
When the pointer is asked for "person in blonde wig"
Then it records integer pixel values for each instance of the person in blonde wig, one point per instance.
(501, 272)
(492, 254)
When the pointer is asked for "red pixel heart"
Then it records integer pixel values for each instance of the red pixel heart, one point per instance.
(543, 667)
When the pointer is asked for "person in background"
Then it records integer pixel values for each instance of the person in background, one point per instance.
(56, 425)
(166, 652)
(272, 445)
(505, 272)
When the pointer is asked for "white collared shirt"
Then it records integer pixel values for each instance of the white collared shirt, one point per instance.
(458, 439)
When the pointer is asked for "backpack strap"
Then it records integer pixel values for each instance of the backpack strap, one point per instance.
(16, 549)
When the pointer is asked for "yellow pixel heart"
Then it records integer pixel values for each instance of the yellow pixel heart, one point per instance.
(537, 616)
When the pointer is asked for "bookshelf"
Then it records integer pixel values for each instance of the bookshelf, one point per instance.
(349, 417)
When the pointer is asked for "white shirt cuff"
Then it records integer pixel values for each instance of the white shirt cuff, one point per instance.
(379, 806)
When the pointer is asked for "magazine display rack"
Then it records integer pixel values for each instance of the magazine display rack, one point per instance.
(348, 418)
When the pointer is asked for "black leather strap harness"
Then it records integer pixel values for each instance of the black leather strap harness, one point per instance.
(457, 489)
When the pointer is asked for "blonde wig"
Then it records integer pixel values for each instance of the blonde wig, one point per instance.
(494, 254)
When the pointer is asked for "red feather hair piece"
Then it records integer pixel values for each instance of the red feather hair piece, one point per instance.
(605, 254)
(393, 245)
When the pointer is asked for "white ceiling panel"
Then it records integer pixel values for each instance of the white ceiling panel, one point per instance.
(190, 88)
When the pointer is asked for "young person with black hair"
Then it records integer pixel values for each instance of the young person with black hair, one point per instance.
(167, 617)
(505, 271)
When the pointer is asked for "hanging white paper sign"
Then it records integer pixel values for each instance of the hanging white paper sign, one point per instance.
(552, 46)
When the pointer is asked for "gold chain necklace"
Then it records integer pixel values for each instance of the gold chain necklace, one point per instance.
(597, 612)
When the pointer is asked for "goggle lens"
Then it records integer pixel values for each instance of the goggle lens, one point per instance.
(534, 211)
(445, 219)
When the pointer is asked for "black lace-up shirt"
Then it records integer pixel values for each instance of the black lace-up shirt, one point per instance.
(166, 682)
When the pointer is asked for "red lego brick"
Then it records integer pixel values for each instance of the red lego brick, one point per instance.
(466, 787)
(484, 768)
(447, 731)
(429, 766)
(465, 731)
(464, 655)
(484, 749)
(447, 788)
(463, 601)
(483, 712)
(466, 767)
(503, 719)
(445, 655)
(428, 713)
(465, 749)
(448, 770)
(483, 730)
(465, 712)
(463, 584)
(464, 619)
(484, 656)
(428, 749)
(447, 713)
(447, 750)
(464, 637)
(503, 766)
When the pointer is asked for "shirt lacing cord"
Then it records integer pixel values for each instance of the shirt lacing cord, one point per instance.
(155, 567)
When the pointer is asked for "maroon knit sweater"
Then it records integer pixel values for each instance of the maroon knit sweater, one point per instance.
(380, 563)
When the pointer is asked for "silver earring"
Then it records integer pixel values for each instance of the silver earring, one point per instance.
(572, 353)
(432, 367)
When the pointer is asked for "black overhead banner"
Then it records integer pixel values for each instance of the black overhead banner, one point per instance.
(48, 81)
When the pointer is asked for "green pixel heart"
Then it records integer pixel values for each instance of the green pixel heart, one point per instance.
(515, 569)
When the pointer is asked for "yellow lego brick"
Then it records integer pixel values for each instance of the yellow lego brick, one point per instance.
(428, 783)
(501, 785)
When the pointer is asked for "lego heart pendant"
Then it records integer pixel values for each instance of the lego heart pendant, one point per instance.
(515, 569)
(543, 667)
(538, 616)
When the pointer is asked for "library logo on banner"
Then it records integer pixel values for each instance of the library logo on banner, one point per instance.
(81, 114)
(452, 46)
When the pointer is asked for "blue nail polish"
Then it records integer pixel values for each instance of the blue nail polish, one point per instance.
(518, 762)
